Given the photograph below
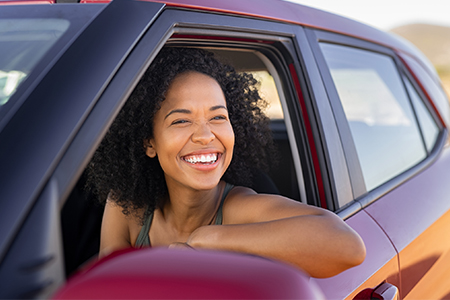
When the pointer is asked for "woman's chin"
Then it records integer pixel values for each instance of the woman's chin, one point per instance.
(204, 184)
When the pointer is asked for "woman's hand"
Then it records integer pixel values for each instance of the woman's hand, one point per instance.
(179, 245)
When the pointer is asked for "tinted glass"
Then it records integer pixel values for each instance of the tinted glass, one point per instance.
(429, 128)
(23, 42)
(378, 111)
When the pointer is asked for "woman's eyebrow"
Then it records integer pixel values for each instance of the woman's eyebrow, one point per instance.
(187, 111)
(218, 107)
(183, 111)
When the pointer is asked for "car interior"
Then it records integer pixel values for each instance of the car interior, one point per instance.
(81, 214)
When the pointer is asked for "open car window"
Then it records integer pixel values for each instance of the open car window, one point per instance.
(281, 178)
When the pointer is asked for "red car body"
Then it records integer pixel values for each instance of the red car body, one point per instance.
(404, 220)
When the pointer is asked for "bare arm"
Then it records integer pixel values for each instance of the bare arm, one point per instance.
(115, 232)
(311, 238)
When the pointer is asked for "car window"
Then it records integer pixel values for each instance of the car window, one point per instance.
(378, 111)
(23, 42)
(433, 88)
(429, 127)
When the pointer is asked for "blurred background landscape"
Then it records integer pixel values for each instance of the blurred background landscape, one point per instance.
(426, 24)
(434, 42)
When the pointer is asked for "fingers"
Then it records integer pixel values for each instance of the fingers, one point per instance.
(179, 245)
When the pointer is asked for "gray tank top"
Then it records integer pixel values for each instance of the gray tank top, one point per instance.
(143, 239)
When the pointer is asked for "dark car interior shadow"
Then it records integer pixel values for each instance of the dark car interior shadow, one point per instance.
(81, 218)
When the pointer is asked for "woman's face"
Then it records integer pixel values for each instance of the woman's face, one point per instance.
(193, 138)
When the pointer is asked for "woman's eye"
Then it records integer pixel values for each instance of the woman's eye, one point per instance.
(179, 122)
(219, 118)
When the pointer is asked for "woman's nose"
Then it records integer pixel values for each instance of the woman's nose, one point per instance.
(203, 134)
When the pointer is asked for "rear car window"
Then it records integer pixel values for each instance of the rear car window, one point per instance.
(23, 42)
(429, 127)
(382, 122)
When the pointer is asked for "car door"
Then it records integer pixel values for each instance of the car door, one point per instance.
(393, 140)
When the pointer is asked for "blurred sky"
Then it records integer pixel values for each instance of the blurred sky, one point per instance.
(387, 14)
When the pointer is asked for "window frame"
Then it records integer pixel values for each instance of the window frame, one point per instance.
(362, 197)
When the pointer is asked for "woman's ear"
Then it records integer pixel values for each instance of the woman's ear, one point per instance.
(149, 149)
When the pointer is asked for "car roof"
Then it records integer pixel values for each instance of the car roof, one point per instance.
(287, 12)
(284, 11)
(294, 13)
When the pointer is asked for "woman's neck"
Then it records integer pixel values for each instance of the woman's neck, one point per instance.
(187, 209)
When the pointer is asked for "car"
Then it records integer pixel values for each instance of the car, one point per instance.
(359, 117)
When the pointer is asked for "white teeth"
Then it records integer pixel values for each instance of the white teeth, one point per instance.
(204, 158)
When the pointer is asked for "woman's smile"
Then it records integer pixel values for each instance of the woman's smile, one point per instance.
(203, 162)
(203, 159)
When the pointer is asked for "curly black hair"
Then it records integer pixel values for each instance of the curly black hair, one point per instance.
(121, 171)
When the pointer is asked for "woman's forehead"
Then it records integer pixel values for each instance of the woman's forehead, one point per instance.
(193, 89)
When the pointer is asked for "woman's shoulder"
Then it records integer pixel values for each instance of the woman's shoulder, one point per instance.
(129, 224)
(244, 205)
(241, 204)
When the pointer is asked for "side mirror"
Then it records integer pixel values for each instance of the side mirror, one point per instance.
(175, 274)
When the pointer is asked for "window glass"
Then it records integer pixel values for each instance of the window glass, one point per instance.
(429, 128)
(381, 120)
(23, 42)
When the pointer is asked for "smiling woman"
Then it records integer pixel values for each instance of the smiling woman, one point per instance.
(175, 167)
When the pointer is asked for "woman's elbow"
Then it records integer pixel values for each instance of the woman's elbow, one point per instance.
(348, 256)
(355, 251)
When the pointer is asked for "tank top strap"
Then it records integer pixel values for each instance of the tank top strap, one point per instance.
(143, 239)
(226, 190)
